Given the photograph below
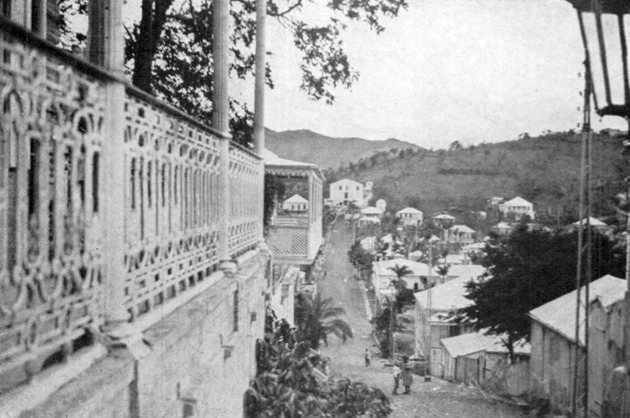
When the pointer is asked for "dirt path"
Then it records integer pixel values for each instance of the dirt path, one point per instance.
(437, 398)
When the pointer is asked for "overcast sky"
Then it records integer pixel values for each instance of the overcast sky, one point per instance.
(445, 70)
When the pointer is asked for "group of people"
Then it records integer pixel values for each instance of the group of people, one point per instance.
(401, 371)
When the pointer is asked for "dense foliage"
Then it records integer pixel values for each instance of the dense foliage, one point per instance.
(528, 269)
(291, 382)
(361, 259)
(317, 318)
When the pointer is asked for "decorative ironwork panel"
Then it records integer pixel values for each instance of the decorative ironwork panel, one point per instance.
(172, 205)
(51, 282)
(246, 173)
(292, 241)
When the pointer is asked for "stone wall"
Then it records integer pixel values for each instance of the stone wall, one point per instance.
(195, 362)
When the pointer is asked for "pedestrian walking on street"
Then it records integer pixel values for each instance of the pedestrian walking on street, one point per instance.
(368, 356)
(407, 378)
(396, 374)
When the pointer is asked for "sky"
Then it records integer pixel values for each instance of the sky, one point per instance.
(444, 70)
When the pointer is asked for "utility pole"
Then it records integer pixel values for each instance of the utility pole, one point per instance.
(427, 336)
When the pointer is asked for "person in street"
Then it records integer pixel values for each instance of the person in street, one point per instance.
(396, 374)
(407, 377)
(368, 357)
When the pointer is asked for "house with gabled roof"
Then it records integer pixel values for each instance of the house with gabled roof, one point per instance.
(410, 216)
(518, 207)
(295, 203)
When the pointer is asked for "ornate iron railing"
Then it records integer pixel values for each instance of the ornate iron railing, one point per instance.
(53, 241)
(246, 199)
(172, 204)
(51, 281)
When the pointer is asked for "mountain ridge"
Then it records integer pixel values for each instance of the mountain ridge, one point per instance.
(325, 151)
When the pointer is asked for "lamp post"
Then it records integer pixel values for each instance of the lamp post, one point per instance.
(604, 37)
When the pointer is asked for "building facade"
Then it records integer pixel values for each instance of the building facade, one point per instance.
(410, 216)
(346, 192)
(517, 208)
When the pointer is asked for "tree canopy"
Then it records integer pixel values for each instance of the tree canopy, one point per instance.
(528, 269)
(169, 51)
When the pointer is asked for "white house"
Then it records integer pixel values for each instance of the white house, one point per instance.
(518, 207)
(295, 203)
(381, 204)
(382, 276)
(410, 216)
(372, 212)
(594, 223)
(346, 191)
(503, 228)
(461, 234)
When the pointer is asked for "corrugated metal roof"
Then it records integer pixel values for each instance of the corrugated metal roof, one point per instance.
(381, 268)
(409, 210)
(462, 228)
(296, 198)
(518, 201)
(559, 314)
(465, 270)
(466, 344)
(447, 296)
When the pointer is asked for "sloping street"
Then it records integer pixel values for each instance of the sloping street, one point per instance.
(436, 398)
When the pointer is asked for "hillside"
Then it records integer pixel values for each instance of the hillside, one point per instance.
(544, 170)
(325, 151)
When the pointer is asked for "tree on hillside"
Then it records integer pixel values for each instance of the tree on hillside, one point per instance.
(528, 269)
(317, 318)
(455, 146)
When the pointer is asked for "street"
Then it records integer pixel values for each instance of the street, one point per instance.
(437, 398)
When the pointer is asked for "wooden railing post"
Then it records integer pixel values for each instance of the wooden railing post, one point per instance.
(106, 48)
(220, 121)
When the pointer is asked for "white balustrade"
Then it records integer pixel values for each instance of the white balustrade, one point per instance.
(51, 281)
(53, 239)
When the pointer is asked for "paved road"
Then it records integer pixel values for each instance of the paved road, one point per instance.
(435, 399)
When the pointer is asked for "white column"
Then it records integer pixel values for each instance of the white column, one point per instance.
(220, 121)
(259, 98)
(106, 48)
(259, 106)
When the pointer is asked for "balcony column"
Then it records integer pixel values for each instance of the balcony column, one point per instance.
(220, 122)
(106, 48)
(259, 106)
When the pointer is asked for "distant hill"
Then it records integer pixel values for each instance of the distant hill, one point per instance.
(544, 170)
(325, 151)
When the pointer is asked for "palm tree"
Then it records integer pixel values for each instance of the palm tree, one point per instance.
(316, 318)
(442, 271)
(399, 283)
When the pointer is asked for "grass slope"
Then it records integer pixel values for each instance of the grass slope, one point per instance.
(544, 170)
